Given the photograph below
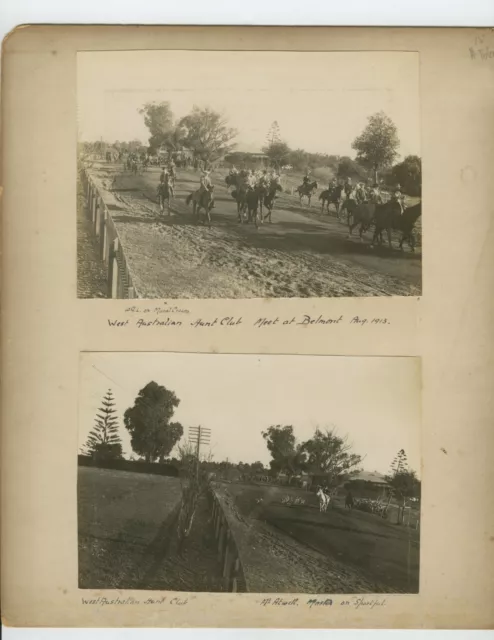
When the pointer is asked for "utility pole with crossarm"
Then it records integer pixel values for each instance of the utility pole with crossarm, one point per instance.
(199, 436)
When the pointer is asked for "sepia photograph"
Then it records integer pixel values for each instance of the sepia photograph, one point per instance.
(248, 174)
(245, 473)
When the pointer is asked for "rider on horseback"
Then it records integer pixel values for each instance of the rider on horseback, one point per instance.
(264, 179)
(399, 198)
(306, 180)
(251, 179)
(348, 187)
(361, 193)
(165, 190)
(206, 185)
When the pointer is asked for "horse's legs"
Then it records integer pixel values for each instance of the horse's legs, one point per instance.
(375, 235)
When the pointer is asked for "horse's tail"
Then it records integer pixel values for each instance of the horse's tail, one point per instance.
(189, 198)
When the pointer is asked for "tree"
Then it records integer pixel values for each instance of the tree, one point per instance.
(153, 435)
(207, 133)
(377, 145)
(348, 168)
(158, 118)
(328, 454)
(273, 134)
(281, 444)
(278, 153)
(103, 442)
(408, 174)
(403, 481)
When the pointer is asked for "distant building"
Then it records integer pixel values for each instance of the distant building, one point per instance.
(247, 158)
(367, 484)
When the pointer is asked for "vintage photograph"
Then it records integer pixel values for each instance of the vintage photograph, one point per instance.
(246, 473)
(248, 174)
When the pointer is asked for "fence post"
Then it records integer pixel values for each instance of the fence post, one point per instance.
(217, 527)
(97, 218)
(220, 541)
(113, 270)
(226, 562)
(236, 568)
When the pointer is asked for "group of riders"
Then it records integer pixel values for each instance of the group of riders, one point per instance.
(245, 180)
(362, 192)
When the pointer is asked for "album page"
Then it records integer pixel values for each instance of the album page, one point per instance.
(247, 327)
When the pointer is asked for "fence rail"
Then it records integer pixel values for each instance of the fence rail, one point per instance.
(228, 555)
(119, 280)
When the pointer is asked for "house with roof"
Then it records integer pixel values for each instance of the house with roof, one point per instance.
(367, 484)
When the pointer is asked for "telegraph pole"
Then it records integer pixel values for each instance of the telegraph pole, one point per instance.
(198, 436)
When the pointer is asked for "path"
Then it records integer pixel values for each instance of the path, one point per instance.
(302, 254)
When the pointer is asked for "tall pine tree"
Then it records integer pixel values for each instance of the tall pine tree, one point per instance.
(103, 442)
(273, 136)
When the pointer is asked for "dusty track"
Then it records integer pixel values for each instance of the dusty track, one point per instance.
(299, 550)
(302, 254)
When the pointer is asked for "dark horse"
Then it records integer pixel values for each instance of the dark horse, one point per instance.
(306, 190)
(239, 195)
(332, 196)
(388, 216)
(202, 200)
(362, 214)
(252, 202)
(269, 199)
(231, 180)
(165, 194)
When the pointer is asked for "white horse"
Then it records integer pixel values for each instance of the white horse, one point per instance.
(324, 500)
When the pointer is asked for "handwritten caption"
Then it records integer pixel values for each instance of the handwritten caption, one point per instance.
(147, 318)
(356, 602)
(102, 601)
(480, 49)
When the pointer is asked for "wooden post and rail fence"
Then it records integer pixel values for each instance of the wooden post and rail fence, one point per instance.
(119, 280)
(227, 549)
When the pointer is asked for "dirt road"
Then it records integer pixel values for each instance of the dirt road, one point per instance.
(299, 550)
(301, 254)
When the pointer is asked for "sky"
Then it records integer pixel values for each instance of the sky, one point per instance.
(374, 401)
(321, 100)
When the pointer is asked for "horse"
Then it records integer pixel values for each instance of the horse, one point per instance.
(202, 199)
(331, 196)
(165, 194)
(388, 216)
(408, 220)
(323, 500)
(360, 213)
(240, 195)
(172, 172)
(269, 199)
(252, 205)
(306, 190)
(231, 180)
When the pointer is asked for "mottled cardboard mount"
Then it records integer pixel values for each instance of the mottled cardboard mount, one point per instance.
(46, 328)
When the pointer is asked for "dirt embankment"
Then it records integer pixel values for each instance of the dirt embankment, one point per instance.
(128, 535)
